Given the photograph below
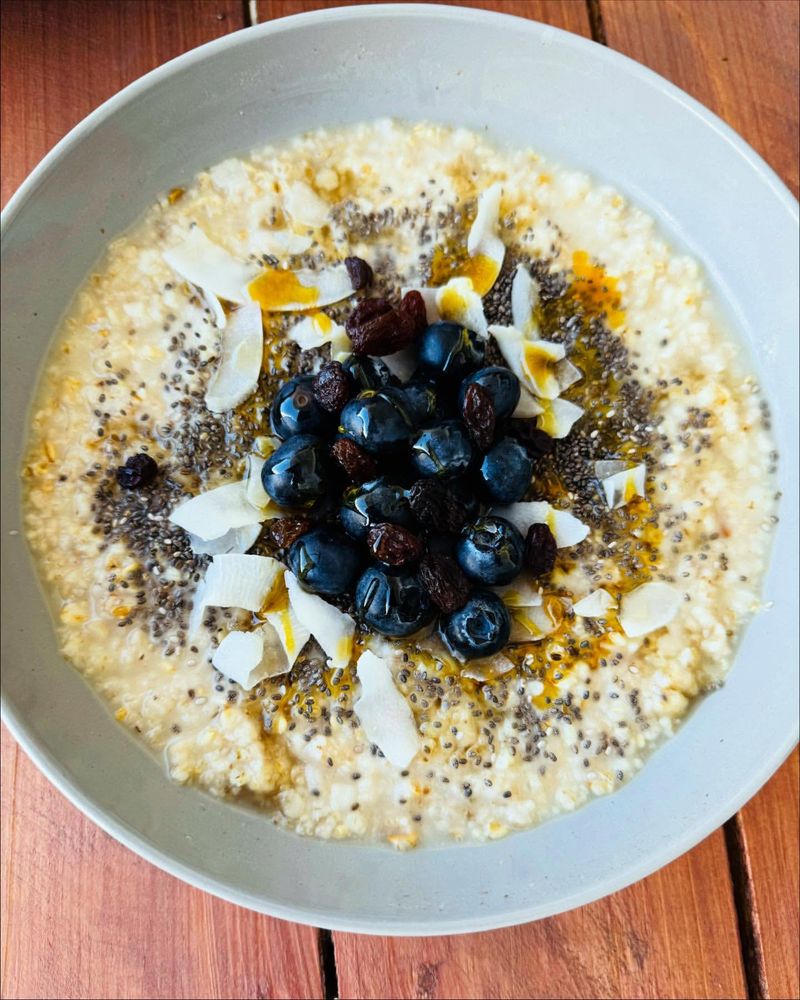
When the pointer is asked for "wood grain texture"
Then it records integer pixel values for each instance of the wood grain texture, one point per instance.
(769, 824)
(739, 57)
(81, 915)
(84, 917)
(673, 935)
(568, 14)
(62, 58)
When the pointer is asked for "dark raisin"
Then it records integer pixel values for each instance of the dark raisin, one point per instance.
(540, 550)
(445, 582)
(359, 272)
(332, 386)
(359, 465)
(394, 544)
(435, 506)
(375, 327)
(478, 415)
(528, 434)
(413, 305)
(138, 471)
(286, 530)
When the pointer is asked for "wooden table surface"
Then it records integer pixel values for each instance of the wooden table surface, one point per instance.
(84, 917)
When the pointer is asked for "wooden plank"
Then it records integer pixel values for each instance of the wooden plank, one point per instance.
(735, 56)
(81, 915)
(62, 58)
(768, 826)
(568, 14)
(84, 917)
(673, 935)
(739, 57)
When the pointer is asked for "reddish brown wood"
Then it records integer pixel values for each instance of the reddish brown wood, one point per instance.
(84, 917)
(568, 14)
(739, 57)
(62, 58)
(673, 935)
(81, 915)
(769, 830)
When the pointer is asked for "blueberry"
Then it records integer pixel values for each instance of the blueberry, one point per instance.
(443, 450)
(450, 350)
(506, 471)
(490, 551)
(421, 395)
(325, 561)
(501, 384)
(394, 604)
(368, 373)
(295, 411)
(480, 628)
(298, 473)
(373, 503)
(378, 421)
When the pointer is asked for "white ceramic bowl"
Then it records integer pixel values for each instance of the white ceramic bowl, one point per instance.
(528, 84)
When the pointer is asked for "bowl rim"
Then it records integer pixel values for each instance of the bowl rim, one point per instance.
(136, 841)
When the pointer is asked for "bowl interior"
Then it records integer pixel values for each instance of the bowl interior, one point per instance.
(528, 85)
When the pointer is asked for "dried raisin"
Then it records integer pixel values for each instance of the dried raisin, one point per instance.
(359, 272)
(394, 544)
(540, 550)
(444, 581)
(375, 327)
(332, 386)
(478, 415)
(357, 463)
(286, 530)
(435, 506)
(413, 305)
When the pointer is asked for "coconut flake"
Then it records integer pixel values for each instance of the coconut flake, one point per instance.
(332, 628)
(384, 714)
(240, 581)
(291, 632)
(521, 593)
(209, 266)
(230, 177)
(317, 329)
(240, 657)
(483, 240)
(594, 605)
(622, 485)
(278, 290)
(566, 528)
(566, 374)
(528, 405)
(539, 359)
(559, 417)
(524, 299)
(648, 608)
(254, 491)
(239, 365)
(235, 540)
(213, 513)
(530, 624)
(487, 668)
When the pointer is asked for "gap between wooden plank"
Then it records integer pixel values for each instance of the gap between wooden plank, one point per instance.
(327, 964)
(595, 13)
(746, 910)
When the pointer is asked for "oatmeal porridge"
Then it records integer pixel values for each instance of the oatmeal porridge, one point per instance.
(406, 486)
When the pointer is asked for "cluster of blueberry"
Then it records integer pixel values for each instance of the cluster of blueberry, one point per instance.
(410, 432)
